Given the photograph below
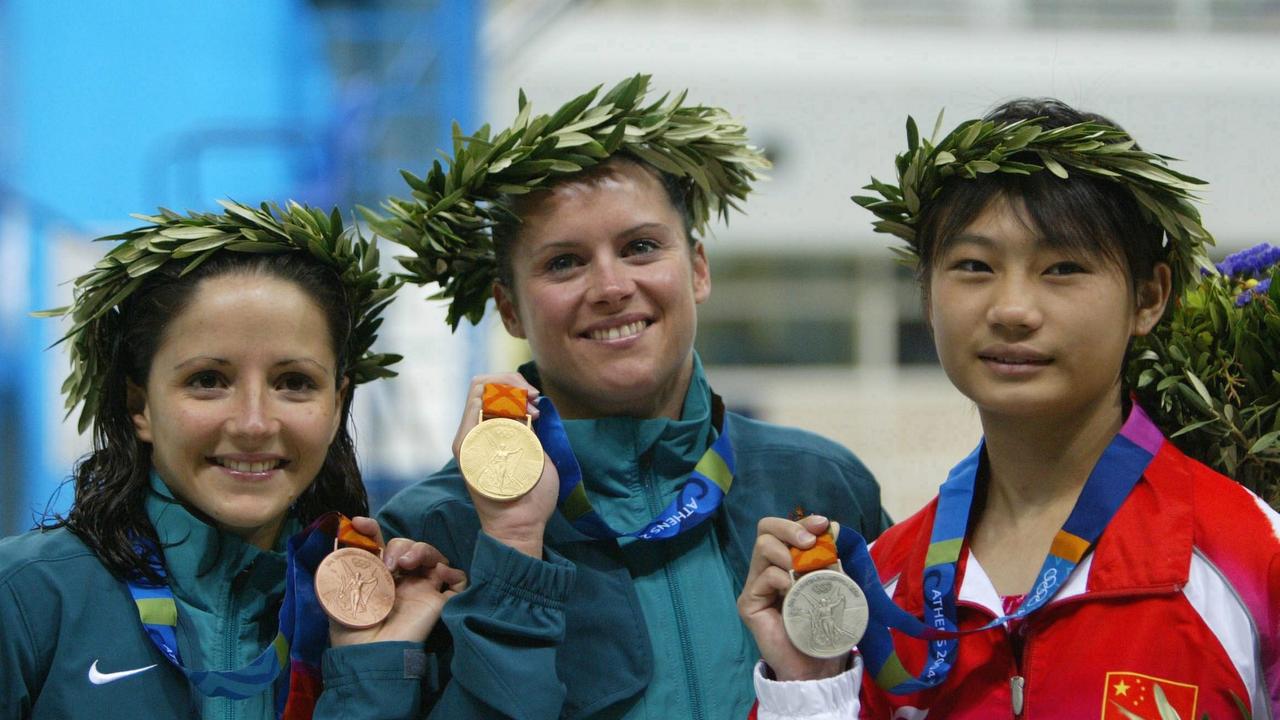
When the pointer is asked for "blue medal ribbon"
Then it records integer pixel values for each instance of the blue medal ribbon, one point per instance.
(298, 644)
(1112, 479)
(697, 499)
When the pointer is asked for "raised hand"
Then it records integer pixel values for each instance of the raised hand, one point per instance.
(424, 582)
(521, 522)
(760, 604)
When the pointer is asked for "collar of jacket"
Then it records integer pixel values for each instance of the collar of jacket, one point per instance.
(1157, 514)
(618, 454)
(202, 561)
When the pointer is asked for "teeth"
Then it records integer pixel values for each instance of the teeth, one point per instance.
(250, 467)
(615, 333)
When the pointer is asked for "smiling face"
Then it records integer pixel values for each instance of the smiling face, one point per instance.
(1026, 330)
(606, 288)
(241, 402)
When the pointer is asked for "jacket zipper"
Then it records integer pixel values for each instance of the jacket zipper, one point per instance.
(1019, 681)
(682, 619)
(231, 635)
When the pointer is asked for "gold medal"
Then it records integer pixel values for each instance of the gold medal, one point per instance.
(501, 457)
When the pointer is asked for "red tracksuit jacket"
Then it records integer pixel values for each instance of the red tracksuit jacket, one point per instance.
(1182, 591)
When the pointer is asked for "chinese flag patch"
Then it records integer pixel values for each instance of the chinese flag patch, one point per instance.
(1134, 696)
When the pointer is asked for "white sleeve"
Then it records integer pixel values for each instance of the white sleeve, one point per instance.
(834, 698)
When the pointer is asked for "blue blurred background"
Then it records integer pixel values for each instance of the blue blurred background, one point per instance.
(109, 108)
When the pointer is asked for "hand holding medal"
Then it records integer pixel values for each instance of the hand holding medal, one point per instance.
(824, 612)
(818, 622)
(503, 462)
(377, 594)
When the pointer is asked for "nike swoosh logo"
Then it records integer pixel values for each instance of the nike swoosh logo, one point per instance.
(101, 678)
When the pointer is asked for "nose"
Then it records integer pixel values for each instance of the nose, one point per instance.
(1014, 305)
(253, 416)
(610, 282)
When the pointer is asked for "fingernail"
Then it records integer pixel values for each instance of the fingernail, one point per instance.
(818, 518)
(805, 537)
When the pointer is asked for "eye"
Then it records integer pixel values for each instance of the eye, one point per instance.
(971, 265)
(296, 382)
(563, 263)
(1066, 267)
(206, 380)
(642, 246)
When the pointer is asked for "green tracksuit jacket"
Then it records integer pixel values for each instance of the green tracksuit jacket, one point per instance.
(71, 644)
(625, 629)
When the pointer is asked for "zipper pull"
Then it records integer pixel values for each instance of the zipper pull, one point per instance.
(1017, 684)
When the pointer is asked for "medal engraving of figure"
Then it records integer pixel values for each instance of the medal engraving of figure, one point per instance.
(353, 586)
(825, 612)
(500, 457)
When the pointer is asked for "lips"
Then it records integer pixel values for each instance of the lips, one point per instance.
(617, 331)
(1014, 355)
(249, 466)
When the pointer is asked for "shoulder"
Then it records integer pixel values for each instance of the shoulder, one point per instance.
(755, 439)
(436, 510)
(893, 550)
(55, 554)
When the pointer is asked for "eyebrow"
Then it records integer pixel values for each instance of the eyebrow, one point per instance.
(643, 227)
(222, 362)
(971, 239)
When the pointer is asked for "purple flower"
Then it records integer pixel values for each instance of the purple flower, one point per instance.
(1256, 291)
(1251, 262)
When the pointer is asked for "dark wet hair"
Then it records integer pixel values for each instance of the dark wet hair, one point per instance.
(1082, 215)
(506, 233)
(112, 481)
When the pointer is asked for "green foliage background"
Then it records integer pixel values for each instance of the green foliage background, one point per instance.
(1210, 377)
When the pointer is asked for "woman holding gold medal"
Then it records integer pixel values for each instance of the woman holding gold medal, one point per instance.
(1090, 568)
(607, 589)
(215, 356)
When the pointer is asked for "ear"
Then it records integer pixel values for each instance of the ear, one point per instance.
(701, 274)
(1152, 295)
(340, 399)
(139, 410)
(505, 299)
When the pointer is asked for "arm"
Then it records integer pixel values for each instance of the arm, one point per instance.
(507, 629)
(18, 658)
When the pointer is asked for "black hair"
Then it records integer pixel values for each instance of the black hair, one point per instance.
(507, 231)
(112, 481)
(1082, 214)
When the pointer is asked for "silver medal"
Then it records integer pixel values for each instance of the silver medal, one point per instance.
(825, 613)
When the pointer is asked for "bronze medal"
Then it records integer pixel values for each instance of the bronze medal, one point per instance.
(355, 588)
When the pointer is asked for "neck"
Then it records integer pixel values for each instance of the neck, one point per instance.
(666, 401)
(263, 538)
(1044, 462)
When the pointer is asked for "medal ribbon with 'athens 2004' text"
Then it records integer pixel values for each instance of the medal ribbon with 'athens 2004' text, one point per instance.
(1109, 483)
(299, 643)
(697, 499)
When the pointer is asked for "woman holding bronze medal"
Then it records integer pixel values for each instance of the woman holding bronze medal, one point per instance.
(215, 356)
(1076, 564)
(607, 589)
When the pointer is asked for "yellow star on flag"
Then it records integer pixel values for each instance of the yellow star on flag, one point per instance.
(1121, 688)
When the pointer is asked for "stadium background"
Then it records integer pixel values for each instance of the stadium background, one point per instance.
(112, 108)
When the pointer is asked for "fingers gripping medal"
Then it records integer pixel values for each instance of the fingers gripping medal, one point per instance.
(352, 584)
(501, 458)
(824, 612)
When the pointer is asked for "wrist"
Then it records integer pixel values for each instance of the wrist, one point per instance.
(527, 540)
(812, 671)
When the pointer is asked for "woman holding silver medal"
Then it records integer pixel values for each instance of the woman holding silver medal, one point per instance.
(1076, 564)
(606, 590)
(216, 356)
